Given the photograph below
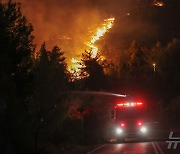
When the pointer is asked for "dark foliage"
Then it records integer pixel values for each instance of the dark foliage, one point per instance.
(35, 107)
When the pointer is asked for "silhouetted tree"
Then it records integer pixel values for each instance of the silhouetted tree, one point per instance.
(167, 73)
(16, 48)
(93, 68)
(134, 68)
(48, 106)
(138, 62)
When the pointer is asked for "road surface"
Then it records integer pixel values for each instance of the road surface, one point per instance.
(154, 147)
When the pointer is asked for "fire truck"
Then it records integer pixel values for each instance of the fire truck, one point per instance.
(130, 120)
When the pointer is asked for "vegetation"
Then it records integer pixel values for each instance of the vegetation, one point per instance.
(36, 107)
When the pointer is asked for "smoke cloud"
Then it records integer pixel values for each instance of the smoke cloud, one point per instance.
(71, 23)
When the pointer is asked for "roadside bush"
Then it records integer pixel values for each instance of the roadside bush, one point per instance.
(173, 112)
(72, 131)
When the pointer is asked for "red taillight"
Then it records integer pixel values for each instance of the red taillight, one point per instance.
(139, 123)
(122, 124)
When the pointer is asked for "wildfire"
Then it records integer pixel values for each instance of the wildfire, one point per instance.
(108, 23)
(75, 65)
(74, 68)
(158, 3)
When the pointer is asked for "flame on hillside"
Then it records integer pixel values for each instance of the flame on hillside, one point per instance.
(75, 65)
(74, 68)
(108, 23)
(158, 3)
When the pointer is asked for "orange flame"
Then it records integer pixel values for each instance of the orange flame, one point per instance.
(158, 3)
(108, 23)
(75, 66)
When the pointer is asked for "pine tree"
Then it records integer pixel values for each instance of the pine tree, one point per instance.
(48, 106)
(16, 48)
(93, 68)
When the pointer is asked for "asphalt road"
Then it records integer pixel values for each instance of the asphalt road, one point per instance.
(153, 147)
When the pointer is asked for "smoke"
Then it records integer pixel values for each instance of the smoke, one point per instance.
(66, 23)
(71, 23)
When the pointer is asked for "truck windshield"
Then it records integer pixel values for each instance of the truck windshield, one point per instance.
(131, 112)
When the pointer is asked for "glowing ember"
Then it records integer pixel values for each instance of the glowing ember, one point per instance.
(159, 3)
(75, 65)
(108, 23)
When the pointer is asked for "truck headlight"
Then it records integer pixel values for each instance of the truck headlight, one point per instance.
(119, 131)
(143, 129)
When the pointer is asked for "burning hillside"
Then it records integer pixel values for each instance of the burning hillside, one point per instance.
(76, 26)
(107, 24)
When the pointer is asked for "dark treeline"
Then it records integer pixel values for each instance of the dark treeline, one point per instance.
(35, 103)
